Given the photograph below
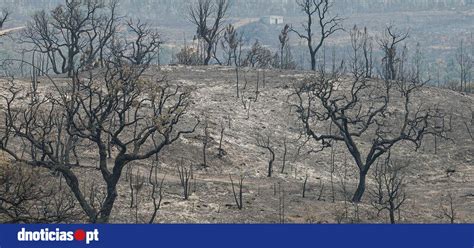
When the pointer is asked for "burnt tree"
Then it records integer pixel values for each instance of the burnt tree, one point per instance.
(238, 196)
(144, 48)
(26, 199)
(286, 59)
(185, 175)
(265, 143)
(465, 65)
(157, 197)
(208, 16)
(205, 143)
(230, 43)
(4, 16)
(362, 51)
(318, 26)
(361, 110)
(74, 34)
(389, 43)
(138, 115)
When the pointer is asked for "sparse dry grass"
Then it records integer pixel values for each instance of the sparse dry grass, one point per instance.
(212, 200)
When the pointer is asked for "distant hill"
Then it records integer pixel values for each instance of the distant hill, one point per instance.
(162, 9)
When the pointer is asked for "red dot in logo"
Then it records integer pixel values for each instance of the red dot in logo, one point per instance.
(79, 235)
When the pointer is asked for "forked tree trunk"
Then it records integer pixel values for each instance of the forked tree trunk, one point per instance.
(106, 209)
(112, 181)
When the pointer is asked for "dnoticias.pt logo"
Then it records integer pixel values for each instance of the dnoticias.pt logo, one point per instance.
(46, 235)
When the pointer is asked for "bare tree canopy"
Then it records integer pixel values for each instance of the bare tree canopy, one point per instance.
(208, 16)
(4, 16)
(27, 198)
(230, 43)
(286, 58)
(72, 30)
(363, 112)
(115, 107)
(319, 25)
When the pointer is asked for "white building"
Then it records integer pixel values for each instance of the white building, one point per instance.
(272, 20)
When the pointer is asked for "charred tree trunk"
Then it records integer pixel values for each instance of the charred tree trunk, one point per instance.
(360, 187)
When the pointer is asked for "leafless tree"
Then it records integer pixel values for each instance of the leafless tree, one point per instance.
(4, 16)
(285, 153)
(448, 208)
(378, 191)
(136, 183)
(362, 52)
(188, 56)
(24, 198)
(205, 143)
(285, 57)
(321, 189)
(230, 43)
(257, 88)
(284, 39)
(185, 176)
(76, 29)
(238, 197)
(343, 174)
(418, 63)
(258, 56)
(281, 203)
(157, 197)
(317, 13)
(305, 183)
(367, 48)
(264, 141)
(241, 90)
(363, 111)
(389, 44)
(130, 178)
(144, 48)
(221, 151)
(469, 124)
(208, 16)
(81, 113)
(356, 213)
(465, 65)
(390, 192)
(332, 171)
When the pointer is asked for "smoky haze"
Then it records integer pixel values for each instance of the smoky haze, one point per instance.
(162, 9)
(236, 111)
(438, 25)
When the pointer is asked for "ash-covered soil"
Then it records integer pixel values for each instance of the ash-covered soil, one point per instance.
(278, 199)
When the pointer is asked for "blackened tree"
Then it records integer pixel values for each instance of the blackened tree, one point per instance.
(116, 112)
(319, 25)
(208, 16)
(365, 112)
